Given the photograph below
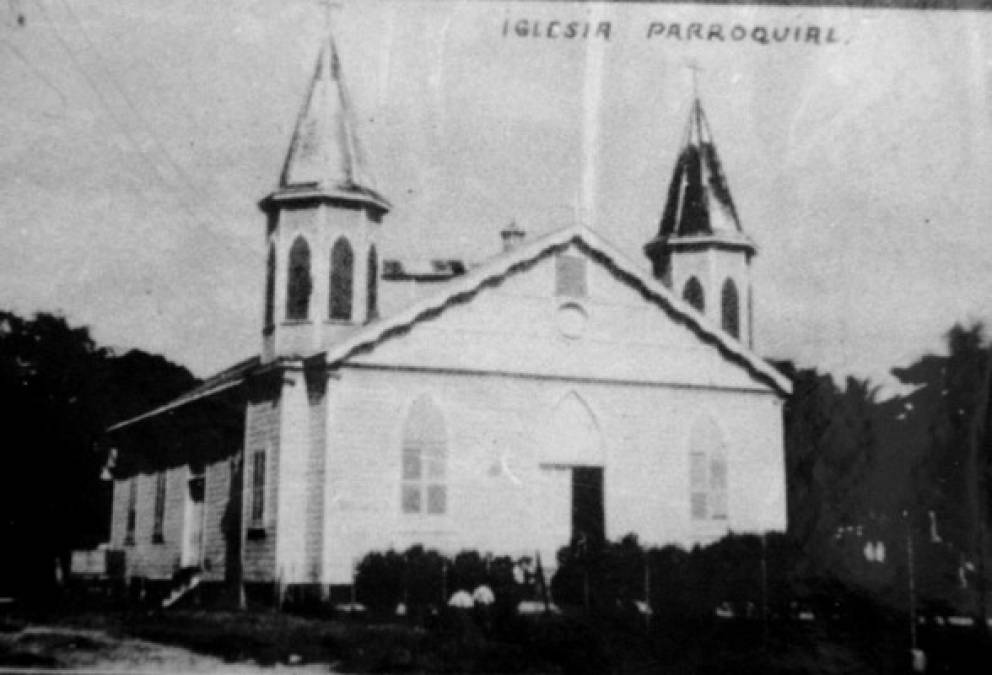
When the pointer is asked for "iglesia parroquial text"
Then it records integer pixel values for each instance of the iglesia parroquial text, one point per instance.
(671, 31)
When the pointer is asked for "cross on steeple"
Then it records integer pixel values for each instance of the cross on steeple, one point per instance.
(694, 66)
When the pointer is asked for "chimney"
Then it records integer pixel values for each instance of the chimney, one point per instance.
(512, 236)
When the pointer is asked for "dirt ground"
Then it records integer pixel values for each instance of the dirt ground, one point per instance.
(96, 651)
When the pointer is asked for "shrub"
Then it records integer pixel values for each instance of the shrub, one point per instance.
(379, 581)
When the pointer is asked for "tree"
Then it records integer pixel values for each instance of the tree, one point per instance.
(59, 392)
(944, 425)
(831, 446)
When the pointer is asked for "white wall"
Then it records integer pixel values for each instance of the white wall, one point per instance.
(497, 367)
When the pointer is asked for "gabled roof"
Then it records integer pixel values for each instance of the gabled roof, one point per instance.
(325, 158)
(465, 287)
(222, 381)
(699, 203)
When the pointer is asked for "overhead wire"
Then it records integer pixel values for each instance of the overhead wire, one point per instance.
(37, 72)
(184, 176)
(195, 219)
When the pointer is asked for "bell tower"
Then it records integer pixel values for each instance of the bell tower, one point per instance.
(701, 252)
(323, 220)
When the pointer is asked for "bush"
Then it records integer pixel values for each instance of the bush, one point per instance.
(379, 581)
(423, 580)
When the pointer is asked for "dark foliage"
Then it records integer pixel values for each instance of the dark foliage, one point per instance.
(60, 391)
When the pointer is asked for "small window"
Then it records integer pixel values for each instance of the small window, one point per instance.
(693, 294)
(342, 271)
(570, 276)
(697, 482)
(424, 460)
(718, 485)
(372, 286)
(299, 284)
(132, 510)
(730, 309)
(270, 288)
(157, 529)
(707, 472)
(258, 488)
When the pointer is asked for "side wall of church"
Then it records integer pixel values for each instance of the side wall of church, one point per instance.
(217, 501)
(285, 420)
(153, 558)
(258, 537)
(143, 556)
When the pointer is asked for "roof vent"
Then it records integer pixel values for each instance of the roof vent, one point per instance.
(512, 236)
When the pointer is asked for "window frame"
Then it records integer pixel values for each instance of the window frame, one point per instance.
(730, 322)
(299, 280)
(692, 292)
(709, 472)
(131, 522)
(372, 285)
(257, 501)
(158, 523)
(424, 462)
(341, 281)
(269, 312)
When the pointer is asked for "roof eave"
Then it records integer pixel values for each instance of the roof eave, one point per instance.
(313, 192)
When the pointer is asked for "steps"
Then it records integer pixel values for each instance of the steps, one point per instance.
(184, 582)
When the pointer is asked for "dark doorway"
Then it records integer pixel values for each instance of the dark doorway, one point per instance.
(587, 504)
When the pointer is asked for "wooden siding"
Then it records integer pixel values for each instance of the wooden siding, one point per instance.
(217, 519)
(261, 434)
(314, 543)
(152, 559)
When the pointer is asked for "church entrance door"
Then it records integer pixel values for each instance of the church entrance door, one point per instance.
(587, 504)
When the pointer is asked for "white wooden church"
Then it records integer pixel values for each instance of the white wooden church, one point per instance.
(555, 390)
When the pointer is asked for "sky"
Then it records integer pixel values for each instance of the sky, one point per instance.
(137, 138)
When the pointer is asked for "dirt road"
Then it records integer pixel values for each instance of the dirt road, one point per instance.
(44, 648)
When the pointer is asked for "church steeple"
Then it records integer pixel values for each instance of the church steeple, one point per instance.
(701, 250)
(323, 223)
(325, 157)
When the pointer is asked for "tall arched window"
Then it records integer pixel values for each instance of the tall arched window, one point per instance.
(693, 294)
(342, 269)
(424, 460)
(298, 284)
(707, 472)
(730, 306)
(270, 288)
(372, 285)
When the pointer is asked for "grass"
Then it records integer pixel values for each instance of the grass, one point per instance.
(571, 645)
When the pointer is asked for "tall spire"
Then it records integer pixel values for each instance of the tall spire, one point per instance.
(325, 158)
(699, 201)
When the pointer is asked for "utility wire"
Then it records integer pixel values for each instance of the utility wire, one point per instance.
(35, 71)
(195, 219)
(190, 184)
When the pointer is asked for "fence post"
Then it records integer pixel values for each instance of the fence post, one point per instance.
(647, 592)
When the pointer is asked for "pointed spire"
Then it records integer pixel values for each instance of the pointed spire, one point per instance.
(325, 158)
(699, 201)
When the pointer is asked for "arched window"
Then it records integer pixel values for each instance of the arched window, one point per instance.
(693, 294)
(707, 472)
(270, 288)
(298, 282)
(424, 459)
(372, 285)
(731, 308)
(342, 269)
